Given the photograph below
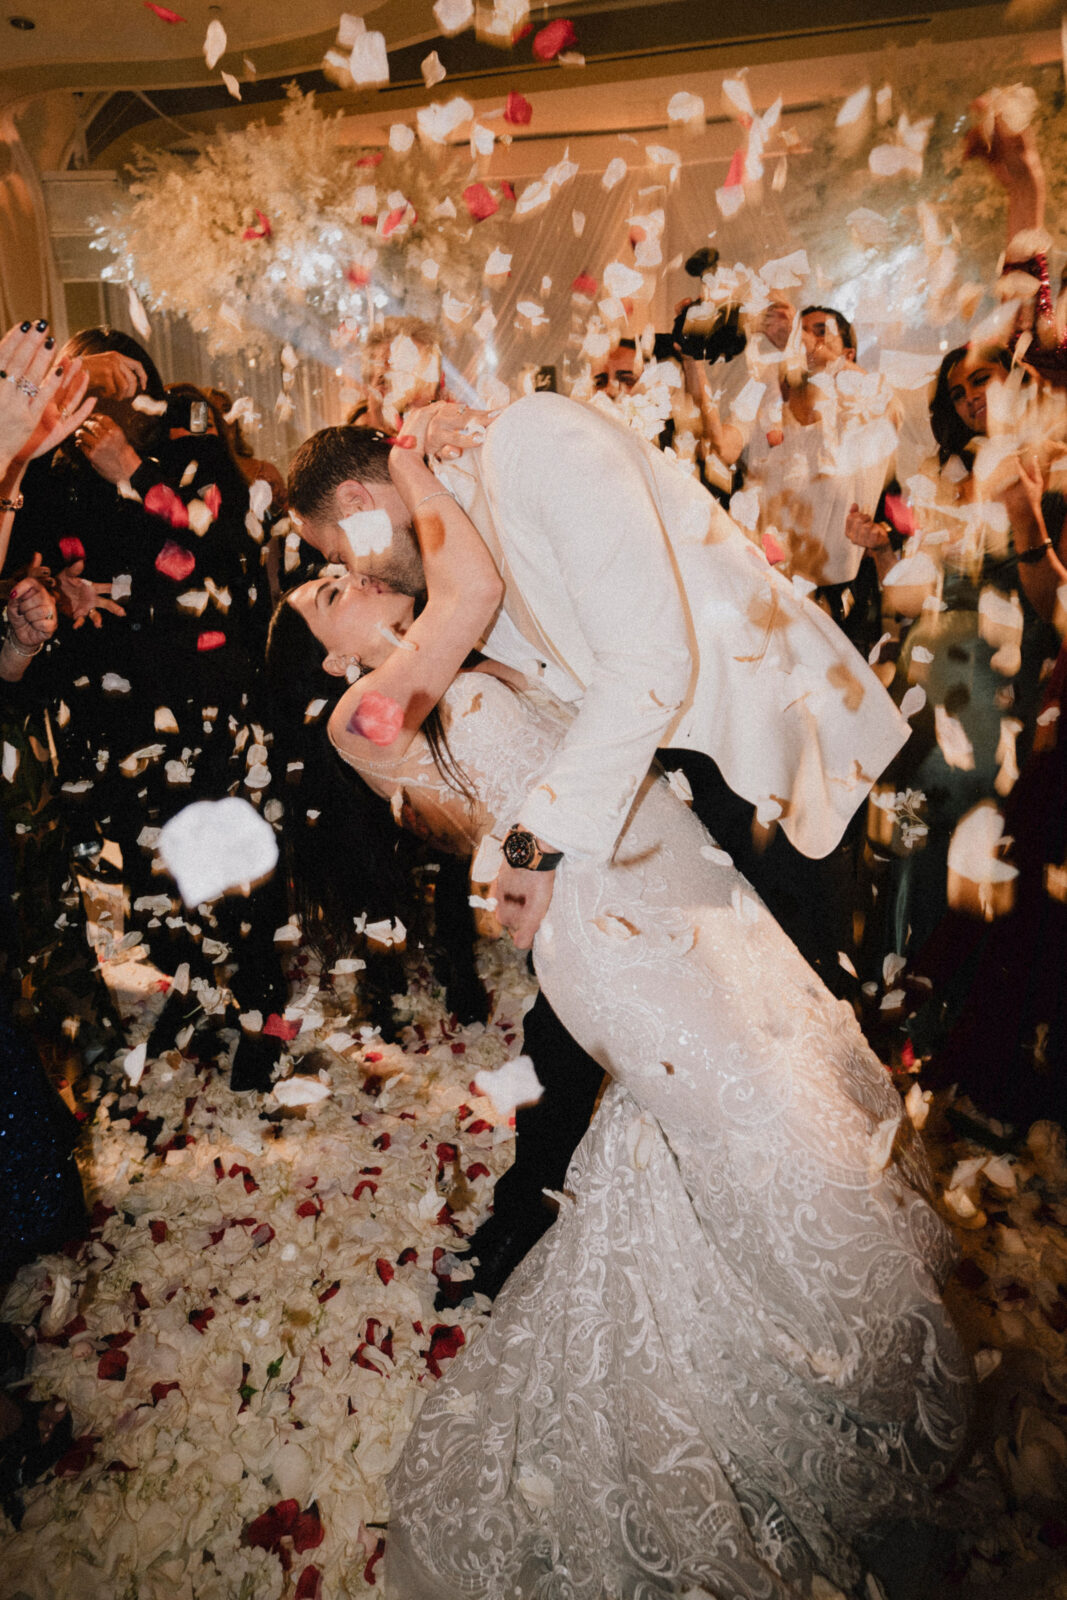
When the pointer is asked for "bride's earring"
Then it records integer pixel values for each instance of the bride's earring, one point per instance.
(368, 532)
(349, 667)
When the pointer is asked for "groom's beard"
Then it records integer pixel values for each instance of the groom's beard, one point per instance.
(401, 565)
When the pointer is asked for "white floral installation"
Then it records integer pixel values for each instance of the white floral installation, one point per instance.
(287, 233)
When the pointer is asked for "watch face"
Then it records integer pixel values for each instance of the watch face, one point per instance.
(520, 849)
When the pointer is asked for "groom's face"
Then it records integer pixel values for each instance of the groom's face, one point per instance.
(400, 566)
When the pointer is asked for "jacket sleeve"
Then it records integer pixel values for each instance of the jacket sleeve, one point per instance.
(578, 518)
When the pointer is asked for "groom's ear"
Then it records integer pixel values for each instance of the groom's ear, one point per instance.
(337, 666)
(351, 496)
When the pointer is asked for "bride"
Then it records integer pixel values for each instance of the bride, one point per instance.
(727, 1369)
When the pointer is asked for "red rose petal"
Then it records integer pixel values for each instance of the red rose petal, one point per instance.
(900, 514)
(736, 173)
(161, 1390)
(212, 498)
(393, 221)
(385, 1269)
(162, 501)
(378, 718)
(262, 231)
(175, 561)
(200, 1319)
(77, 1457)
(71, 549)
(309, 1585)
(584, 285)
(445, 1342)
(164, 13)
(517, 110)
(328, 1294)
(278, 1028)
(479, 202)
(158, 1230)
(368, 1570)
(112, 1365)
(211, 639)
(559, 35)
(772, 549)
(308, 1531)
(309, 1208)
(358, 277)
(373, 159)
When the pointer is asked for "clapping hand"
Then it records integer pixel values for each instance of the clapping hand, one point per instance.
(67, 409)
(862, 530)
(80, 598)
(113, 376)
(107, 449)
(31, 389)
(31, 613)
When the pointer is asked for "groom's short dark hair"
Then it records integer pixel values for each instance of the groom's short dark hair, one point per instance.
(332, 457)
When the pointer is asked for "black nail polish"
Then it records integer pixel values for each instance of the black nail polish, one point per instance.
(59, 372)
(26, 326)
(50, 343)
(42, 324)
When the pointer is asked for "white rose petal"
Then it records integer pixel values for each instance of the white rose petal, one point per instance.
(215, 845)
(514, 1084)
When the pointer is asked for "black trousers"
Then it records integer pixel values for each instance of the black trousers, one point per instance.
(813, 902)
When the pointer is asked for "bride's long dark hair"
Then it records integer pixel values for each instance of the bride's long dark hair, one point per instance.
(349, 857)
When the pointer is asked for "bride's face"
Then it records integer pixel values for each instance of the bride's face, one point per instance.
(354, 617)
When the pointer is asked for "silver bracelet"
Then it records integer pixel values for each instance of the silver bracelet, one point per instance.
(433, 495)
(21, 649)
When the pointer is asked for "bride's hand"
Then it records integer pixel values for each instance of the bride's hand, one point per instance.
(444, 430)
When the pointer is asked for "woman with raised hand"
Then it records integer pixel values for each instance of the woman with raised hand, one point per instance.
(727, 1366)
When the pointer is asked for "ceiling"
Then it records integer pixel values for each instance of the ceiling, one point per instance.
(121, 76)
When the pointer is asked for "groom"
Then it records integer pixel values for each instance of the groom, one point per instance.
(630, 593)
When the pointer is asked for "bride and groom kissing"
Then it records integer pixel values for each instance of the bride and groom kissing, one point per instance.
(726, 1368)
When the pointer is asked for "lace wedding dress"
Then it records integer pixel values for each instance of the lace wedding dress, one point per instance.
(728, 1361)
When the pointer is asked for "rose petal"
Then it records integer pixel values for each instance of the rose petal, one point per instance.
(377, 718)
(175, 561)
(517, 109)
(479, 202)
(559, 35)
(162, 501)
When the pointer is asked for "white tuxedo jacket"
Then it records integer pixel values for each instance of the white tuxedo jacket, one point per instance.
(630, 591)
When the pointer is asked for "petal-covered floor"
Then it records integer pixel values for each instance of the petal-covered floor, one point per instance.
(243, 1342)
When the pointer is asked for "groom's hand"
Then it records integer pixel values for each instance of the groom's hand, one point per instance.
(522, 898)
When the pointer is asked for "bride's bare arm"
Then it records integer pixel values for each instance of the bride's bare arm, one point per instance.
(464, 591)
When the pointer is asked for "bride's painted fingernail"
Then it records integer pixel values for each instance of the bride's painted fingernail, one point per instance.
(42, 324)
(50, 343)
(25, 327)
